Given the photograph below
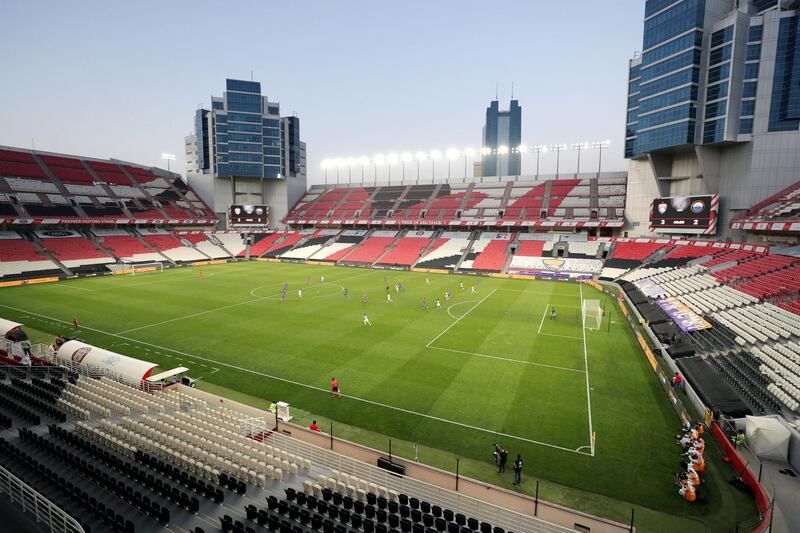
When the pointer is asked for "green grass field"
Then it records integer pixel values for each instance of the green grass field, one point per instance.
(490, 366)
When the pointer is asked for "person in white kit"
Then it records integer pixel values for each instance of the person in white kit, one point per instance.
(299, 294)
(388, 297)
(366, 320)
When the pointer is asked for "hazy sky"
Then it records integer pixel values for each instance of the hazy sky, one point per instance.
(122, 79)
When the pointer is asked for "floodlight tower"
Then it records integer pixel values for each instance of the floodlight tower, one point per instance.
(539, 148)
(579, 147)
(599, 146)
(558, 148)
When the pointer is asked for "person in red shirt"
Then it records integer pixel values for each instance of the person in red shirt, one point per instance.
(677, 381)
(335, 388)
(314, 426)
(75, 325)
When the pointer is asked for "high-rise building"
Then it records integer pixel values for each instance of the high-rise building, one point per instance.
(502, 135)
(713, 104)
(243, 152)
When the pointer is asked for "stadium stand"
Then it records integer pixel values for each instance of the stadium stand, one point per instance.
(344, 243)
(776, 213)
(407, 249)
(488, 253)
(543, 203)
(84, 190)
(313, 244)
(446, 251)
(370, 249)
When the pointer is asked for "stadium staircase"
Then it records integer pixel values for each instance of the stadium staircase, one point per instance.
(514, 242)
(152, 248)
(46, 253)
(435, 241)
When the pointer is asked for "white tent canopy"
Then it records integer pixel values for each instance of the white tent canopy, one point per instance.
(131, 370)
(7, 325)
(767, 437)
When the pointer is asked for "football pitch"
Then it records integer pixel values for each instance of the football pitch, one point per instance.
(488, 366)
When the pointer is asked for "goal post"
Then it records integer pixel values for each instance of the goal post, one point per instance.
(592, 314)
(153, 266)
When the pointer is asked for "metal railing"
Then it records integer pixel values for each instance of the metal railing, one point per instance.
(460, 503)
(30, 501)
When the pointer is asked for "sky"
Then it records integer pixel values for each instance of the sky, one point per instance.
(122, 79)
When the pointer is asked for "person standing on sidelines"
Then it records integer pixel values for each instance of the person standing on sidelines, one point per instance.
(518, 470)
(366, 320)
(503, 459)
(335, 392)
(75, 325)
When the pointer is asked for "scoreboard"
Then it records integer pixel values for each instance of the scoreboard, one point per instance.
(248, 215)
(685, 214)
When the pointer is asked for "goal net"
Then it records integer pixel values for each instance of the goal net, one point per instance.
(592, 314)
(155, 266)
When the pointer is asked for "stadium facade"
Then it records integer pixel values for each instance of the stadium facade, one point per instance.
(713, 105)
(244, 152)
(502, 134)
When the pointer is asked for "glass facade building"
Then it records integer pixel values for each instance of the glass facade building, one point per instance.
(502, 135)
(715, 82)
(243, 135)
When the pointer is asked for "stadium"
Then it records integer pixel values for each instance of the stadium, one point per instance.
(421, 341)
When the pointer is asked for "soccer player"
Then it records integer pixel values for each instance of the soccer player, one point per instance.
(553, 313)
(447, 295)
(308, 280)
(461, 286)
(283, 296)
(322, 279)
(345, 293)
(299, 294)
(397, 288)
(75, 325)
(364, 299)
(366, 320)
(285, 286)
(335, 388)
(472, 289)
(427, 281)
(388, 297)
(424, 303)
(438, 304)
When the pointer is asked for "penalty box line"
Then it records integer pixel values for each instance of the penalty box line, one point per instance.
(313, 387)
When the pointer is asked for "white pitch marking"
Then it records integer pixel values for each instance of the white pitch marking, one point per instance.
(586, 367)
(509, 359)
(257, 299)
(305, 385)
(455, 305)
(561, 336)
(539, 332)
(459, 318)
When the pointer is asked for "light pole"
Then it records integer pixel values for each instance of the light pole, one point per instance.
(501, 150)
(350, 162)
(599, 145)
(521, 149)
(363, 160)
(452, 153)
(420, 156)
(338, 164)
(325, 164)
(391, 159)
(405, 157)
(539, 148)
(435, 156)
(376, 162)
(168, 158)
(579, 147)
(468, 153)
(558, 148)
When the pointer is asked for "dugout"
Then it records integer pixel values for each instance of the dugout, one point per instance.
(12, 331)
(712, 388)
(131, 370)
